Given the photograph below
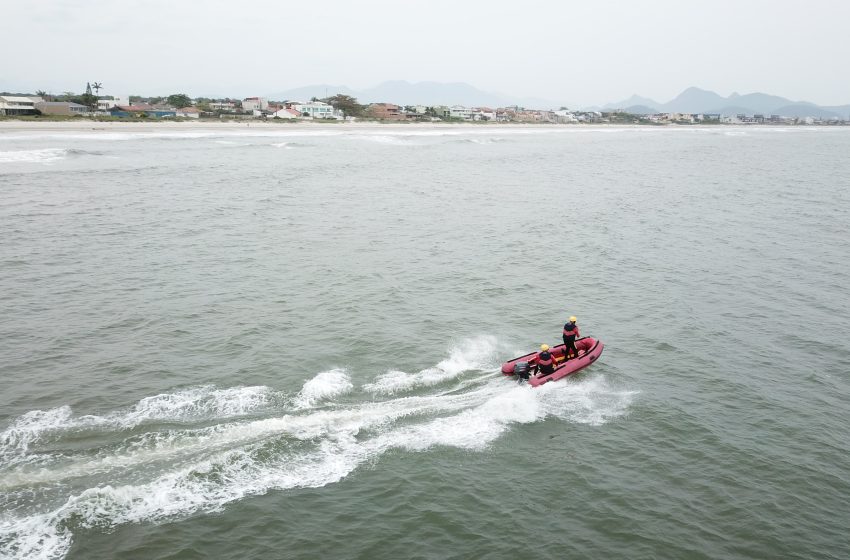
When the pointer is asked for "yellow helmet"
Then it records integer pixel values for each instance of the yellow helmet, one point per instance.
(573, 319)
(544, 347)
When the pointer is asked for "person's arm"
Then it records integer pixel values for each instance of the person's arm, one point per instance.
(577, 332)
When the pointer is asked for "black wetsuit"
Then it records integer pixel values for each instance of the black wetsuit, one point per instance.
(569, 340)
(545, 363)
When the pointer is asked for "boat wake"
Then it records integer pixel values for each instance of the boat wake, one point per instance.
(199, 449)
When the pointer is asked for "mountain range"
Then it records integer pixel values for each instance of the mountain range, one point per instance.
(692, 100)
(696, 100)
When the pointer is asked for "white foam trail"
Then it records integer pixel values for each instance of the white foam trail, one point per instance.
(28, 429)
(324, 385)
(471, 354)
(474, 428)
(175, 444)
(592, 400)
(188, 404)
(169, 474)
(341, 441)
(38, 537)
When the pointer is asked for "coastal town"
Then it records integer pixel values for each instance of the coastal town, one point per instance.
(338, 108)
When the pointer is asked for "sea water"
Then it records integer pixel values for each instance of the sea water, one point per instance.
(285, 342)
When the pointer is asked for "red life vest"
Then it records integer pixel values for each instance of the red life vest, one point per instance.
(572, 331)
(545, 364)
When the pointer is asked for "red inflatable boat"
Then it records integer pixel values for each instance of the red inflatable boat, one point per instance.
(589, 350)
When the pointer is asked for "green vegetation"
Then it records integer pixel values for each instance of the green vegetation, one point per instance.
(347, 104)
(627, 118)
(179, 100)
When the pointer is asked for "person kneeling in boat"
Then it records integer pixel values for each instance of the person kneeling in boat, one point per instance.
(570, 335)
(545, 360)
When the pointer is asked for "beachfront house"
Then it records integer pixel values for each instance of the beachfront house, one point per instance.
(224, 106)
(385, 111)
(188, 113)
(251, 104)
(442, 111)
(107, 102)
(565, 116)
(284, 113)
(18, 105)
(61, 108)
(461, 112)
(484, 114)
(317, 110)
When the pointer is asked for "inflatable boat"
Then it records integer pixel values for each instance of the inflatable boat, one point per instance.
(589, 350)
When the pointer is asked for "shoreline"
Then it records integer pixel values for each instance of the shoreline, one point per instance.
(212, 124)
(178, 126)
(188, 126)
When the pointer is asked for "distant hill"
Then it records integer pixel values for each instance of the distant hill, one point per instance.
(732, 110)
(696, 100)
(634, 101)
(806, 110)
(418, 93)
(843, 110)
(761, 102)
(308, 92)
(693, 100)
(640, 110)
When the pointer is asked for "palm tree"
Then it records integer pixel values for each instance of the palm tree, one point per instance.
(96, 87)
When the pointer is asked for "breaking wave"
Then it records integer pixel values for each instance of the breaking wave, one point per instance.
(395, 139)
(43, 155)
(325, 385)
(317, 437)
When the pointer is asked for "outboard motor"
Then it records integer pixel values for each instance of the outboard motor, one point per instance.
(522, 370)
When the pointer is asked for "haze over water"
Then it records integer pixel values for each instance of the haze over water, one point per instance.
(284, 343)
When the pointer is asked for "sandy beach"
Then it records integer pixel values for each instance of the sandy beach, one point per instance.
(212, 126)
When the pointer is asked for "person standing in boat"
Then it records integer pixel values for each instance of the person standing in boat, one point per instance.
(570, 335)
(545, 360)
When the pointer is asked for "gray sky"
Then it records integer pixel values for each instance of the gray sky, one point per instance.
(576, 52)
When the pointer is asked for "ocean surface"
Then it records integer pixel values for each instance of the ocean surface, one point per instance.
(285, 343)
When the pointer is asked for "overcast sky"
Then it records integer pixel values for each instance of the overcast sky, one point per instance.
(575, 52)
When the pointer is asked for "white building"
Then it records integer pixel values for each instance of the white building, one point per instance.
(223, 106)
(460, 112)
(108, 102)
(18, 105)
(286, 114)
(188, 113)
(251, 104)
(565, 116)
(484, 114)
(317, 110)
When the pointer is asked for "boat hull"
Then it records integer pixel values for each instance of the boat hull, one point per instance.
(589, 350)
